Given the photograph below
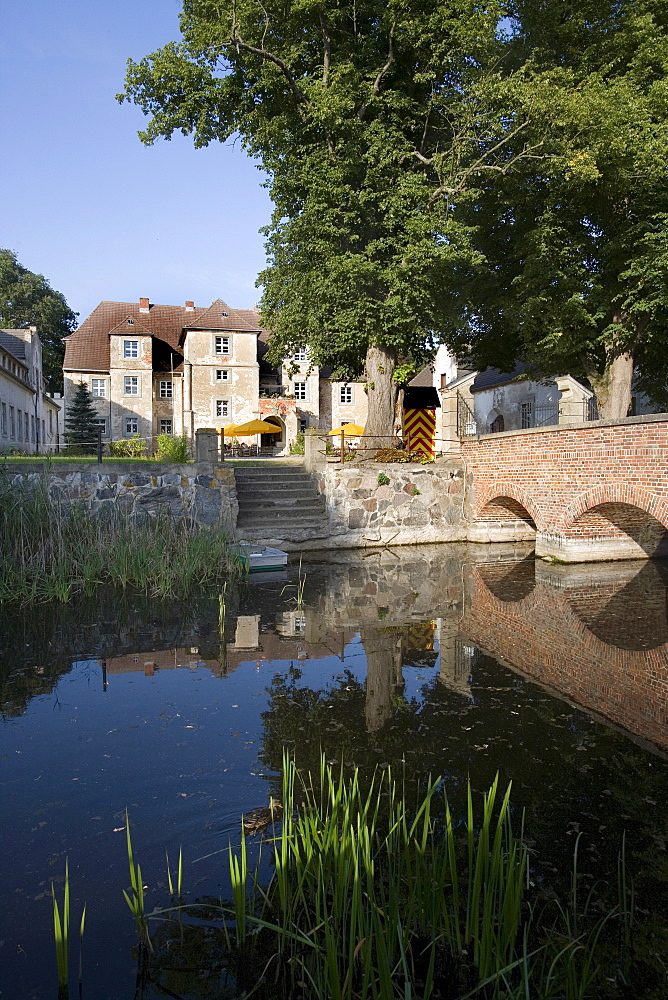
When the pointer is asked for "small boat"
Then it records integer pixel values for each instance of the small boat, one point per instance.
(262, 558)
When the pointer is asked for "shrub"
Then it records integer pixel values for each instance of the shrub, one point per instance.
(297, 446)
(172, 449)
(132, 447)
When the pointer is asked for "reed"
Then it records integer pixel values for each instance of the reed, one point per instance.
(135, 897)
(54, 548)
(61, 936)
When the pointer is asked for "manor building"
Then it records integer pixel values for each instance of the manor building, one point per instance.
(28, 417)
(160, 369)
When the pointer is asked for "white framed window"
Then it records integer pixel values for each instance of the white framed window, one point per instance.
(19, 419)
(221, 345)
(346, 394)
(102, 424)
(131, 385)
(131, 426)
(3, 420)
(32, 427)
(222, 408)
(50, 421)
(130, 348)
(98, 387)
(300, 354)
(221, 375)
(300, 390)
(166, 426)
(12, 423)
(165, 388)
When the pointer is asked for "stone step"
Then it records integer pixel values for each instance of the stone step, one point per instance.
(283, 517)
(279, 505)
(285, 492)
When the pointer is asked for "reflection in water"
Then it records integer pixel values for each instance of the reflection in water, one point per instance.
(421, 658)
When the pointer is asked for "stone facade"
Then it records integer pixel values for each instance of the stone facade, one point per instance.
(28, 417)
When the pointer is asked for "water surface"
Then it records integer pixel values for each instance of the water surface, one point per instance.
(456, 660)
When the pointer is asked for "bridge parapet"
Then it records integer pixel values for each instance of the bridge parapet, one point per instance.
(586, 492)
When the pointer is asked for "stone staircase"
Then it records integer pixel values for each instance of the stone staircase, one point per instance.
(279, 505)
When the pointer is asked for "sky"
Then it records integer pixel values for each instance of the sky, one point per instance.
(83, 201)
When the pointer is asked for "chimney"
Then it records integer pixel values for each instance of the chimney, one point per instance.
(190, 306)
(143, 305)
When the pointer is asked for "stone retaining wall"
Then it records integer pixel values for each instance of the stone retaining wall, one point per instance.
(418, 504)
(204, 493)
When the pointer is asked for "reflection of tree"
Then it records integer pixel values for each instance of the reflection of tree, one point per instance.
(384, 680)
(566, 769)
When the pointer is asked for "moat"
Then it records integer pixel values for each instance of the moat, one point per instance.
(457, 660)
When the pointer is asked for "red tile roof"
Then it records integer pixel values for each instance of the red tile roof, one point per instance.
(87, 349)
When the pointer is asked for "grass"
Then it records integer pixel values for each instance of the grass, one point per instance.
(54, 548)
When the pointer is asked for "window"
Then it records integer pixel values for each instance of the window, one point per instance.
(3, 420)
(19, 420)
(166, 427)
(526, 411)
(346, 394)
(303, 424)
(300, 390)
(221, 345)
(165, 391)
(32, 428)
(130, 348)
(50, 421)
(300, 354)
(222, 375)
(12, 423)
(102, 423)
(222, 408)
(131, 426)
(131, 385)
(98, 387)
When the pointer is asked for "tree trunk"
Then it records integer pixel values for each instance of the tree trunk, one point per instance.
(613, 388)
(382, 392)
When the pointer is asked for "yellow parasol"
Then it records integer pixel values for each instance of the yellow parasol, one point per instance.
(229, 430)
(350, 430)
(257, 427)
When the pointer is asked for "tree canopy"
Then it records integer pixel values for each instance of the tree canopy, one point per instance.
(488, 174)
(27, 299)
(575, 244)
(374, 122)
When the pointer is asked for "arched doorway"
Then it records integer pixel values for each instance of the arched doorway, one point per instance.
(273, 441)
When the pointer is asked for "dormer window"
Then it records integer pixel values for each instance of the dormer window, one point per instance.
(300, 354)
(221, 345)
(131, 322)
(130, 348)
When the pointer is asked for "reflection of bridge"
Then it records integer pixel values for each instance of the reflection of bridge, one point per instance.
(591, 492)
(585, 632)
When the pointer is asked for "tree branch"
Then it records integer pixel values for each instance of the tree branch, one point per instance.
(238, 43)
(327, 49)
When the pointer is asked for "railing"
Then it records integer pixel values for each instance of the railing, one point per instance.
(467, 425)
(547, 415)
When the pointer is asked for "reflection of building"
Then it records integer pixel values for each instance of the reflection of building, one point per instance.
(28, 417)
(156, 660)
(156, 369)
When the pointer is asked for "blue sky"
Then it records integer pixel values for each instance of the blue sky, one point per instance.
(84, 203)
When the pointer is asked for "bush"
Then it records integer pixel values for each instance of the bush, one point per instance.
(172, 449)
(297, 446)
(399, 455)
(132, 447)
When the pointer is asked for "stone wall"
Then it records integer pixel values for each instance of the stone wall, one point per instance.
(206, 494)
(417, 504)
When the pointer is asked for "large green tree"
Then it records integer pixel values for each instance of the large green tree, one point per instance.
(27, 299)
(575, 244)
(375, 122)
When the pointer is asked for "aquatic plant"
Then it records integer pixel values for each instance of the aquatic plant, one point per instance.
(61, 936)
(54, 548)
(135, 897)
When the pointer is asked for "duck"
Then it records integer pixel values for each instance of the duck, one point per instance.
(255, 819)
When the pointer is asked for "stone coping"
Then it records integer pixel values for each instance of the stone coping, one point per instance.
(110, 468)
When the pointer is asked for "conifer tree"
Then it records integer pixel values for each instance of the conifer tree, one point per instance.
(82, 421)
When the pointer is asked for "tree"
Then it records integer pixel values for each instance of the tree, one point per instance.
(27, 299)
(82, 421)
(374, 121)
(575, 244)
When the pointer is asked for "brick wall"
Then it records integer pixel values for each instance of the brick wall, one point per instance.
(597, 480)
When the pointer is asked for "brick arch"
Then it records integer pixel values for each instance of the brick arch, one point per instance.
(508, 489)
(483, 591)
(622, 493)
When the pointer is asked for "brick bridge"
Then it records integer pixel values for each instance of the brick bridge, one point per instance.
(585, 492)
